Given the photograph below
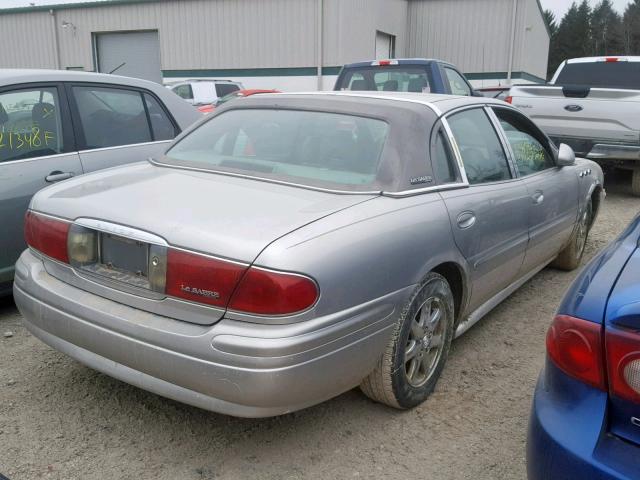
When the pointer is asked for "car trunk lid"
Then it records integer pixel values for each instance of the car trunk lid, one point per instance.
(138, 213)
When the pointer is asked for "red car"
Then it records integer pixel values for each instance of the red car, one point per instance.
(237, 94)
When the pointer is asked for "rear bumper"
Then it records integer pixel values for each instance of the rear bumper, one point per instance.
(567, 434)
(231, 367)
(600, 150)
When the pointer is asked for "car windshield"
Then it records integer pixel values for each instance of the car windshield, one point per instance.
(392, 78)
(305, 147)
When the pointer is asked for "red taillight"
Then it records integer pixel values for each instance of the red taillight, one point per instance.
(201, 279)
(611, 59)
(47, 235)
(575, 346)
(509, 99)
(266, 292)
(623, 363)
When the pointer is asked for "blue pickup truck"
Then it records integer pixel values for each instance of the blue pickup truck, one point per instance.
(405, 75)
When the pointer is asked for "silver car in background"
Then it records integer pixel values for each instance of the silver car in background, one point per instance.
(55, 125)
(294, 246)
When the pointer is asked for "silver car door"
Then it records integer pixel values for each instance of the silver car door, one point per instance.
(553, 190)
(488, 218)
(36, 150)
(119, 125)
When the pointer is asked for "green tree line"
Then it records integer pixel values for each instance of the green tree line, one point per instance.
(586, 32)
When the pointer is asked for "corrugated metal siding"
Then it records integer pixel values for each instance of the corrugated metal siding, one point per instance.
(193, 33)
(470, 34)
(27, 41)
(350, 28)
(532, 40)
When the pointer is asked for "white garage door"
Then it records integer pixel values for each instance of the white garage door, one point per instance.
(132, 54)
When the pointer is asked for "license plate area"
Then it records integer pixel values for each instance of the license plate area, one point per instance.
(118, 260)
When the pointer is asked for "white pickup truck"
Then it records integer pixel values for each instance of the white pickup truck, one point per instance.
(592, 105)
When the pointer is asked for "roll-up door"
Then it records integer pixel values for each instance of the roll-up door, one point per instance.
(132, 54)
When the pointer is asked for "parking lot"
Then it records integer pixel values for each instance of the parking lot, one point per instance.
(59, 419)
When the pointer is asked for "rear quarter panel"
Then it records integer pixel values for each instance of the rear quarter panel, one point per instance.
(368, 251)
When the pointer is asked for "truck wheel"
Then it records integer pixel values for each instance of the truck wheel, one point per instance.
(417, 351)
(571, 256)
(635, 182)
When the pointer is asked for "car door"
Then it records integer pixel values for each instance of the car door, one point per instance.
(488, 218)
(553, 190)
(118, 125)
(36, 149)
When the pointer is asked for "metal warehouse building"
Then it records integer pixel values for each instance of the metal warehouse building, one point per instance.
(284, 44)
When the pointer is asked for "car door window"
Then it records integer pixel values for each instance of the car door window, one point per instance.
(223, 89)
(184, 91)
(482, 153)
(111, 116)
(161, 125)
(527, 143)
(443, 160)
(30, 124)
(457, 83)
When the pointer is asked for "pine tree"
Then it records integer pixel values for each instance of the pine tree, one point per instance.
(607, 30)
(631, 28)
(573, 38)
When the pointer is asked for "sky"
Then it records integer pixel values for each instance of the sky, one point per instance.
(559, 7)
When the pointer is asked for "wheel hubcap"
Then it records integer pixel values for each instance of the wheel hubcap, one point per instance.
(581, 236)
(425, 343)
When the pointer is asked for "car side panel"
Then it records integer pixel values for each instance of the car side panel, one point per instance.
(367, 251)
(19, 180)
(495, 244)
(553, 218)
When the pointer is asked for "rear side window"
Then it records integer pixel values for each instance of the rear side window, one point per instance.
(184, 91)
(392, 78)
(30, 124)
(442, 160)
(527, 143)
(314, 148)
(223, 89)
(624, 75)
(457, 84)
(112, 116)
(482, 154)
(161, 125)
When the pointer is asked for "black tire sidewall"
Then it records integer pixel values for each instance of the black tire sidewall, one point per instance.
(407, 395)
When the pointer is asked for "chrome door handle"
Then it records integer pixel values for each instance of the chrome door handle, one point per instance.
(538, 198)
(466, 220)
(57, 176)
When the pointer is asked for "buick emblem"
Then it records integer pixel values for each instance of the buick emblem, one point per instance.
(573, 108)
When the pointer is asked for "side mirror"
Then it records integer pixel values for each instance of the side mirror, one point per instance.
(475, 93)
(566, 156)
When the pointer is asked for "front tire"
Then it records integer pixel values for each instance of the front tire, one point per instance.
(571, 256)
(415, 356)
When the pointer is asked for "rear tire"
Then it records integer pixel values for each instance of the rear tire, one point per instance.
(571, 256)
(414, 358)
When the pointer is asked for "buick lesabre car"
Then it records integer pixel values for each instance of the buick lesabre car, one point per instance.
(55, 125)
(294, 246)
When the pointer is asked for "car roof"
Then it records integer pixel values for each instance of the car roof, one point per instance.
(439, 103)
(401, 61)
(10, 76)
(627, 58)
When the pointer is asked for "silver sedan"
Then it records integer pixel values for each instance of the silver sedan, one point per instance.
(292, 247)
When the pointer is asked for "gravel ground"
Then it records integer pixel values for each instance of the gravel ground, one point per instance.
(60, 420)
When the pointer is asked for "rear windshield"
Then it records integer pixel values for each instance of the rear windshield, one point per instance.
(391, 78)
(305, 147)
(624, 75)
